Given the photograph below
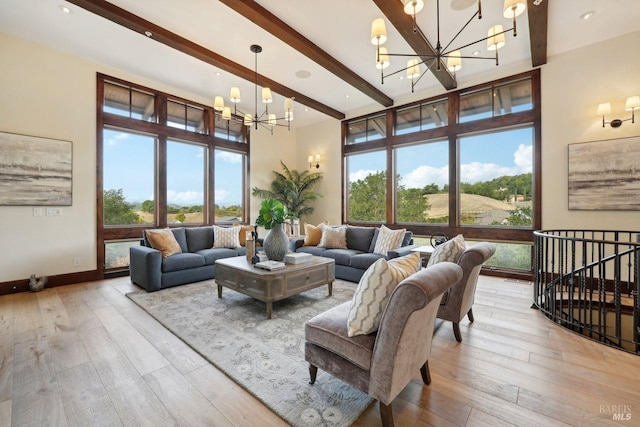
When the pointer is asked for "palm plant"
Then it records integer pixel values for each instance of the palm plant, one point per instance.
(293, 189)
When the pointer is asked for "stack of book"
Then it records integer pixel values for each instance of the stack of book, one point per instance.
(270, 265)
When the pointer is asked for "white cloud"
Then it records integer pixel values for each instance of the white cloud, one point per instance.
(117, 138)
(221, 195)
(523, 158)
(228, 157)
(361, 174)
(185, 197)
(476, 172)
(425, 175)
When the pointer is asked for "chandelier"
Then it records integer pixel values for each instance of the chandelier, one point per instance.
(495, 40)
(266, 119)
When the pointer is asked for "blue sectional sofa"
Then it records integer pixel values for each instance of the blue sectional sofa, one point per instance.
(351, 263)
(196, 262)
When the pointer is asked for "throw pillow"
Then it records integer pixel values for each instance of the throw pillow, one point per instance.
(226, 237)
(451, 250)
(388, 240)
(243, 232)
(164, 241)
(374, 289)
(312, 234)
(333, 237)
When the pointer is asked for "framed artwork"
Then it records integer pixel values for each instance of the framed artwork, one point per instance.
(35, 171)
(605, 175)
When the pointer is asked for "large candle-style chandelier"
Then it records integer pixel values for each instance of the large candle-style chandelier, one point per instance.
(495, 40)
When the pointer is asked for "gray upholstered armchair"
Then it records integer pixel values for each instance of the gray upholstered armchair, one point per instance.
(382, 363)
(457, 301)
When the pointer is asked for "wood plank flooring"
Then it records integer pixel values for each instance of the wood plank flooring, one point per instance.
(84, 355)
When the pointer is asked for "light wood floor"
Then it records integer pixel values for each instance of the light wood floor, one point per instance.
(84, 355)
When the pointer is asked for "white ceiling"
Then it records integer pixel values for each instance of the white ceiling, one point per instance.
(340, 27)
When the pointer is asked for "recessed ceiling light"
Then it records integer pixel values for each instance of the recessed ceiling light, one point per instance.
(476, 53)
(65, 9)
(303, 74)
(346, 96)
(148, 33)
(587, 15)
(306, 109)
(217, 73)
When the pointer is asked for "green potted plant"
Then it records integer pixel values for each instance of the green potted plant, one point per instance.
(271, 216)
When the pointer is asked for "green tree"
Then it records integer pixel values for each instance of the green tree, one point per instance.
(520, 216)
(412, 203)
(148, 206)
(367, 198)
(180, 217)
(294, 189)
(117, 210)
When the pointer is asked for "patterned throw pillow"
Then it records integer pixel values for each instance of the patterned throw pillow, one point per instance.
(451, 250)
(374, 289)
(333, 237)
(164, 241)
(388, 240)
(312, 234)
(226, 237)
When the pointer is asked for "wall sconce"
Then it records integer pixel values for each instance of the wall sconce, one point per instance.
(633, 103)
(317, 165)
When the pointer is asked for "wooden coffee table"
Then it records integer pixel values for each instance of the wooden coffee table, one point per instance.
(240, 275)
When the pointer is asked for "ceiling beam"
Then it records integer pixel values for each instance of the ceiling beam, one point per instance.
(538, 31)
(135, 23)
(418, 42)
(280, 29)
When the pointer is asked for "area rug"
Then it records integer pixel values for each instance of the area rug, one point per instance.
(265, 356)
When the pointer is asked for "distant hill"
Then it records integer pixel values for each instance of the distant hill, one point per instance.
(470, 203)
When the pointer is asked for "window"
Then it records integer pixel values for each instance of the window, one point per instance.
(496, 181)
(367, 129)
(186, 165)
(164, 168)
(128, 178)
(422, 183)
(128, 102)
(367, 186)
(229, 179)
(477, 175)
(421, 117)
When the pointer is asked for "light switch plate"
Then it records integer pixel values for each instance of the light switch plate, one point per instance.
(54, 211)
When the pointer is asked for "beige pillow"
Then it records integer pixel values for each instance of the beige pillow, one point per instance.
(333, 237)
(164, 241)
(388, 240)
(312, 234)
(451, 250)
(226, 237)
(243, 232)
(373, 291)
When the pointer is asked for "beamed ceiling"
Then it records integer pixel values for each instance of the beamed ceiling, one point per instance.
(318, 52)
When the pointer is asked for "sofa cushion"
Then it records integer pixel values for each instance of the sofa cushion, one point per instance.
(359, 238)
(406, 240)
(312, 234)
(182, 262)
(212, 254)
(199, 238)
(181, 237)
(313, 250)
(364, 260)
(164, 241)
(388, 240)
(329, 330)
(334, 237)
(451, 250)
(341, 256)
(373, 291)
(226, 237)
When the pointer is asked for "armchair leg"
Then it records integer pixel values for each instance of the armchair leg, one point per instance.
(313, 371)
(470, 315)
(386, 414)
(456, 331)
(424, 371)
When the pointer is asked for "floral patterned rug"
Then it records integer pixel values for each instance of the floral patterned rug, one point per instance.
(265, 356)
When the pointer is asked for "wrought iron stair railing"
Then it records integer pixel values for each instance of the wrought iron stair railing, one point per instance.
(589, 281)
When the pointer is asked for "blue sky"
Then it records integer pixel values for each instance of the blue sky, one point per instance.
(482, 157)
(129, 164)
